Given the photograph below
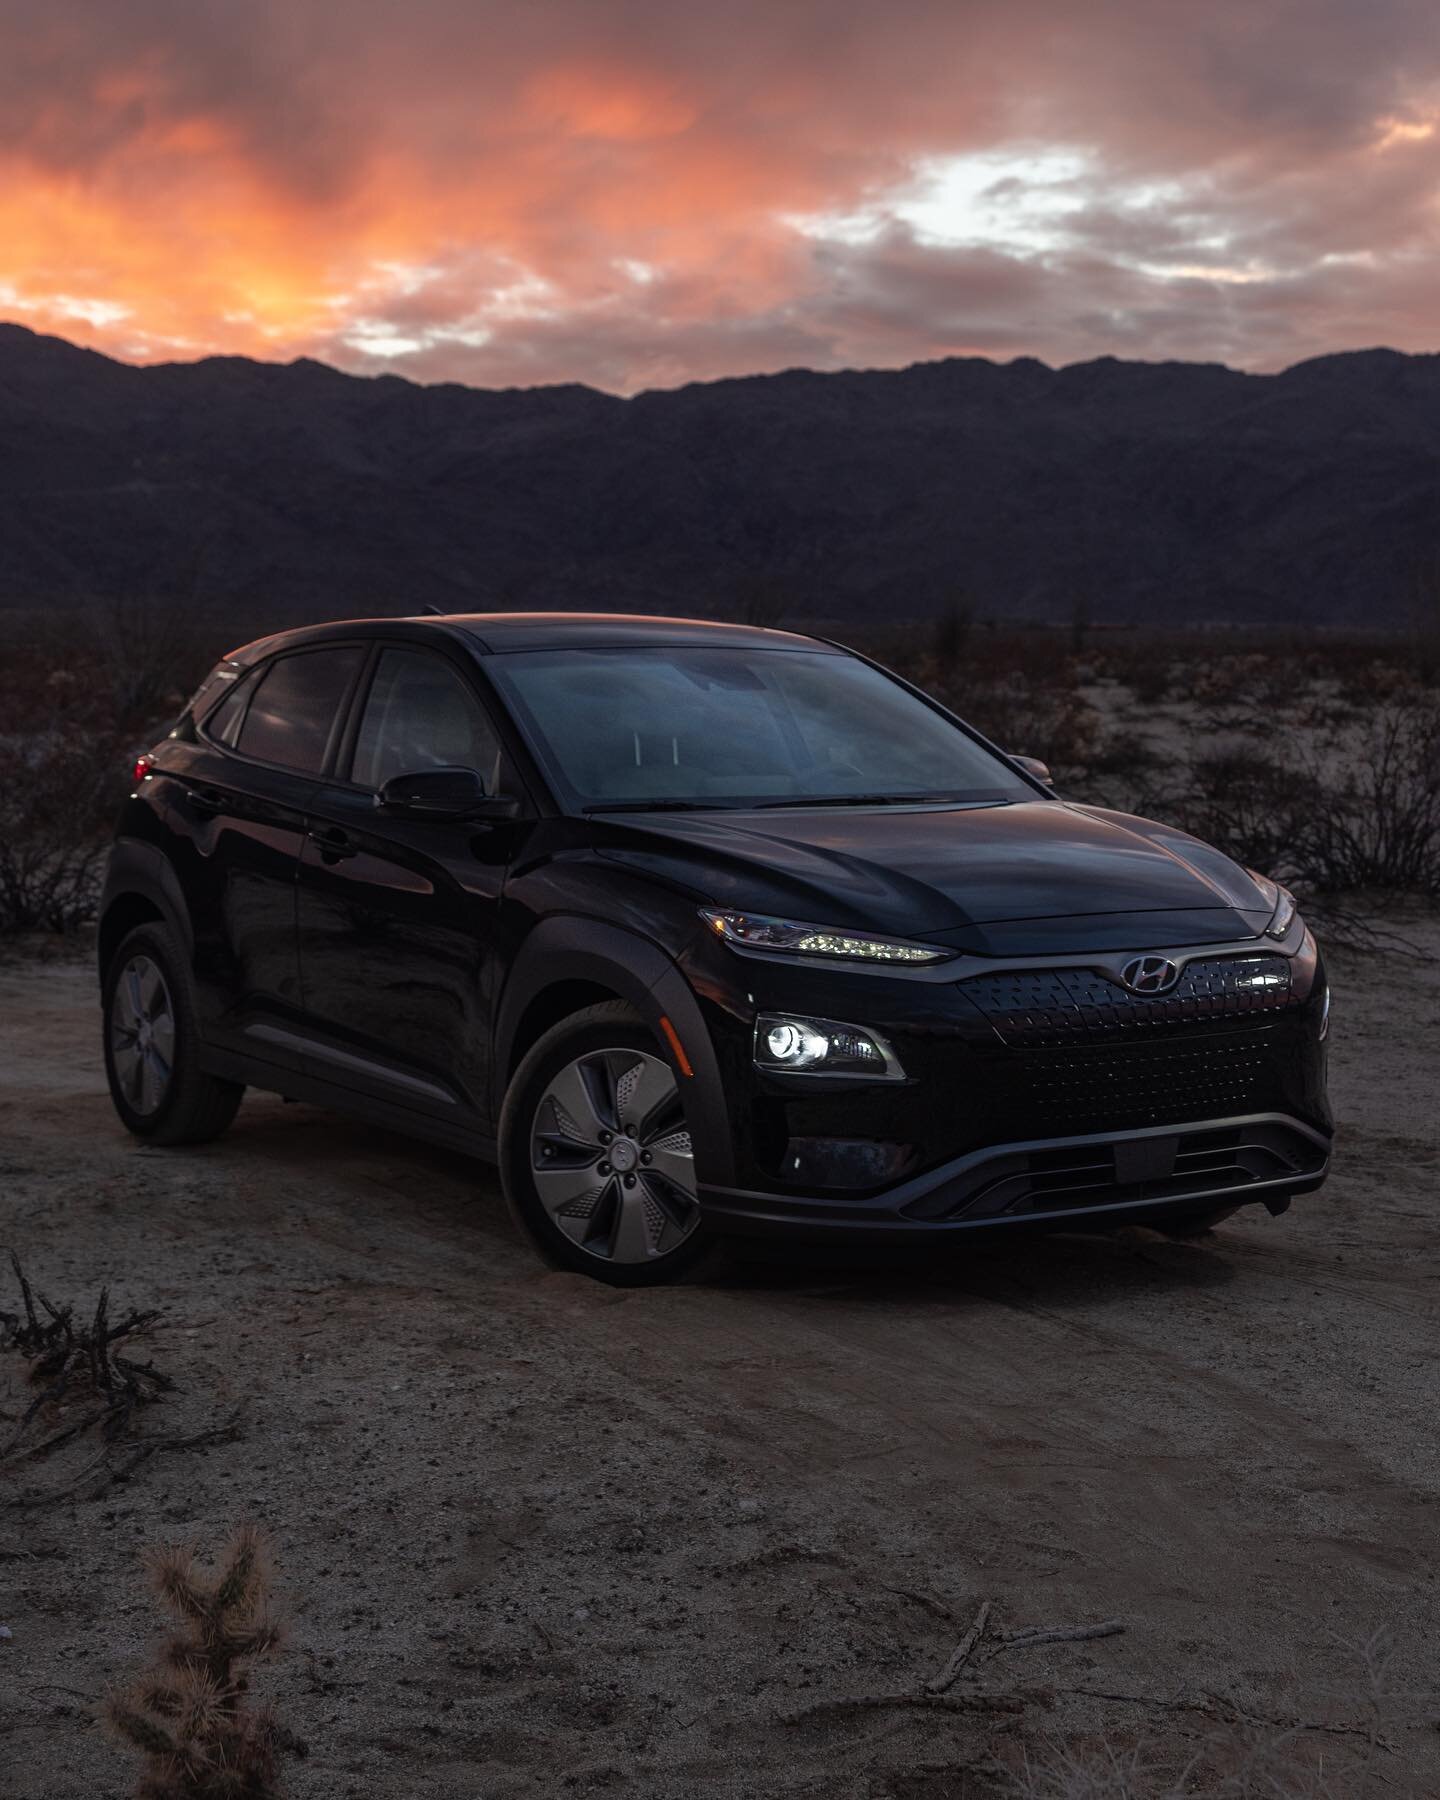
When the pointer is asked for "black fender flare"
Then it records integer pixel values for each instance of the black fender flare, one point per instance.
(138, 868)
(574, 948)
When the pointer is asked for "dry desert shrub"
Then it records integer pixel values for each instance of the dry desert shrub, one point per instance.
(83, 1361)
(1341, 1753)
(58, 796)
(80, 695)
(1313, 757)
(1363, 816)
(191, 1716)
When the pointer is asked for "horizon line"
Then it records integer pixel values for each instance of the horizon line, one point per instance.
(388, 375)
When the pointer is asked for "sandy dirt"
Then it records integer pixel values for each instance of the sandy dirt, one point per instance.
(538, 1537)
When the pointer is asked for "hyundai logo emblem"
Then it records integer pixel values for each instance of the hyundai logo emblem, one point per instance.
(1149, 975)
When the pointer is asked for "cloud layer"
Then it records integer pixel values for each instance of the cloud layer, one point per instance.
(633, 194)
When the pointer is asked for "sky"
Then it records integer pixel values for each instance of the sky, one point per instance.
(642, 193)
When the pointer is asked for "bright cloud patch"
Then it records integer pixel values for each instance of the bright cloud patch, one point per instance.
(627, 196)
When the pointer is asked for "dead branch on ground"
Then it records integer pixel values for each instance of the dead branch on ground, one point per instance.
(1022, 1638)
(961, 1655)
(68, 1359)
(1215, 1707)
(1031, 1635)
(857, 1703)
(103, 1471)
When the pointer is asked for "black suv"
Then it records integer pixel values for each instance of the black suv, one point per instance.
(700, 931)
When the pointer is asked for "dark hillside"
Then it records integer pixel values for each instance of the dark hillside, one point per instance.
(1154, 492)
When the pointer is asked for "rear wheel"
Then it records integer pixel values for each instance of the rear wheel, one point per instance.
(596, 1157)
(152, 1045)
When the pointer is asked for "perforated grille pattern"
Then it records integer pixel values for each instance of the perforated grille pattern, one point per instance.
(1066, 1006)
(1129, 1086)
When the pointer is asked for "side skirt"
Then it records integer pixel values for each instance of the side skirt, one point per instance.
(450, 1134)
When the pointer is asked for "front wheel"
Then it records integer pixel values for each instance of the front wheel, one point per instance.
(595, 1152)
(152, 1046)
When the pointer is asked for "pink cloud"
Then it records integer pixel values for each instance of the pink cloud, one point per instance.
(631, 194)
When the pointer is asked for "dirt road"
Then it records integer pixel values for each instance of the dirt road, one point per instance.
(538, 1537)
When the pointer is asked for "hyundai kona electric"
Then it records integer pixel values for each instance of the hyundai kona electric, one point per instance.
(701, 932)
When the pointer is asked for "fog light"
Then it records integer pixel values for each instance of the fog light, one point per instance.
(791, 1045)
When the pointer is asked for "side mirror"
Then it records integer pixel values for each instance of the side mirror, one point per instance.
(1033, 766)
(443, 794)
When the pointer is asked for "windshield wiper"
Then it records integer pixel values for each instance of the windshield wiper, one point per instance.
(610, 806)
(860, 800)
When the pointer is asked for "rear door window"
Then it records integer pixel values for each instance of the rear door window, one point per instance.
(292, 714)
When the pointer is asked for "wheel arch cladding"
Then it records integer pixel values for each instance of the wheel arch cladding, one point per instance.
(556, 1001)
(590, 961)
(140, 888)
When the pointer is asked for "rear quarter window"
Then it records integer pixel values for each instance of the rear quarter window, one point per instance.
(220, 681)
(293, 709)
(223, 723)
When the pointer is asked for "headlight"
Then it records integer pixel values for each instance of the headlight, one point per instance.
(1284, 915)
(1281, 899)
(788, 1044)
(754, 931)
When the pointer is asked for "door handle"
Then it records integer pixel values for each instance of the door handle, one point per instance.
(208, 802)
(333, 844)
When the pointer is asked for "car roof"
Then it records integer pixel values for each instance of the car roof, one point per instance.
(496, 633)
(548, 631)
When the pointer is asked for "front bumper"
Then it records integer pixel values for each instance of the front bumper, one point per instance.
(1036, 1093)
(1103, 1178)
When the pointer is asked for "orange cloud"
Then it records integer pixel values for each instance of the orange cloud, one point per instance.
(608, 102)
(559, 189)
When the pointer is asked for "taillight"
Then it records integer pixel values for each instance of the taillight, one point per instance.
(143, 765)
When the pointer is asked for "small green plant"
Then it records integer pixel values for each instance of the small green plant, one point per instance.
(191, 1716)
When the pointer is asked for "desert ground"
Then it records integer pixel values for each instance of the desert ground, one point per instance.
(534, 1536)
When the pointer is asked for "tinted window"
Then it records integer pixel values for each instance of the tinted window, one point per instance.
(421, 715)
(294, 707)
(224, 723)
(730, 725)
(220, 681)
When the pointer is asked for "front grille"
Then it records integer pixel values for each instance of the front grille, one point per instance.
(1038, 1007)
(1124, 1087)
(1159, 1167)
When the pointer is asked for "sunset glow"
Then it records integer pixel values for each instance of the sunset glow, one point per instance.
(630, 197)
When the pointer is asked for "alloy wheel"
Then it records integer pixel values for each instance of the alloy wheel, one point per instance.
(611, 1156)
(142, 1035)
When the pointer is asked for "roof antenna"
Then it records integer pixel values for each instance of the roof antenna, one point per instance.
(431, 607)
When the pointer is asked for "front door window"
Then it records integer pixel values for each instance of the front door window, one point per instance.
(420, 715)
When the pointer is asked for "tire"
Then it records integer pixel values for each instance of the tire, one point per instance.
(632, 1221)
(152, 1045)
(1194, 1225)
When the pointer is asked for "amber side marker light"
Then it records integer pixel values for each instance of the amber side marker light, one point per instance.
(672, 1038)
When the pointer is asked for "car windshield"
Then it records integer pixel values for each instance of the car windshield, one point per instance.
(727, 726)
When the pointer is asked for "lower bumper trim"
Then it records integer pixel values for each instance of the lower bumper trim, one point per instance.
(1108, 1177)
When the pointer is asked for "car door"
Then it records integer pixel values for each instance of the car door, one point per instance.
(241, 795)
(398, 917)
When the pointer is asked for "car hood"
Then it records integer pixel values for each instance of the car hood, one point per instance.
(1043, 876)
